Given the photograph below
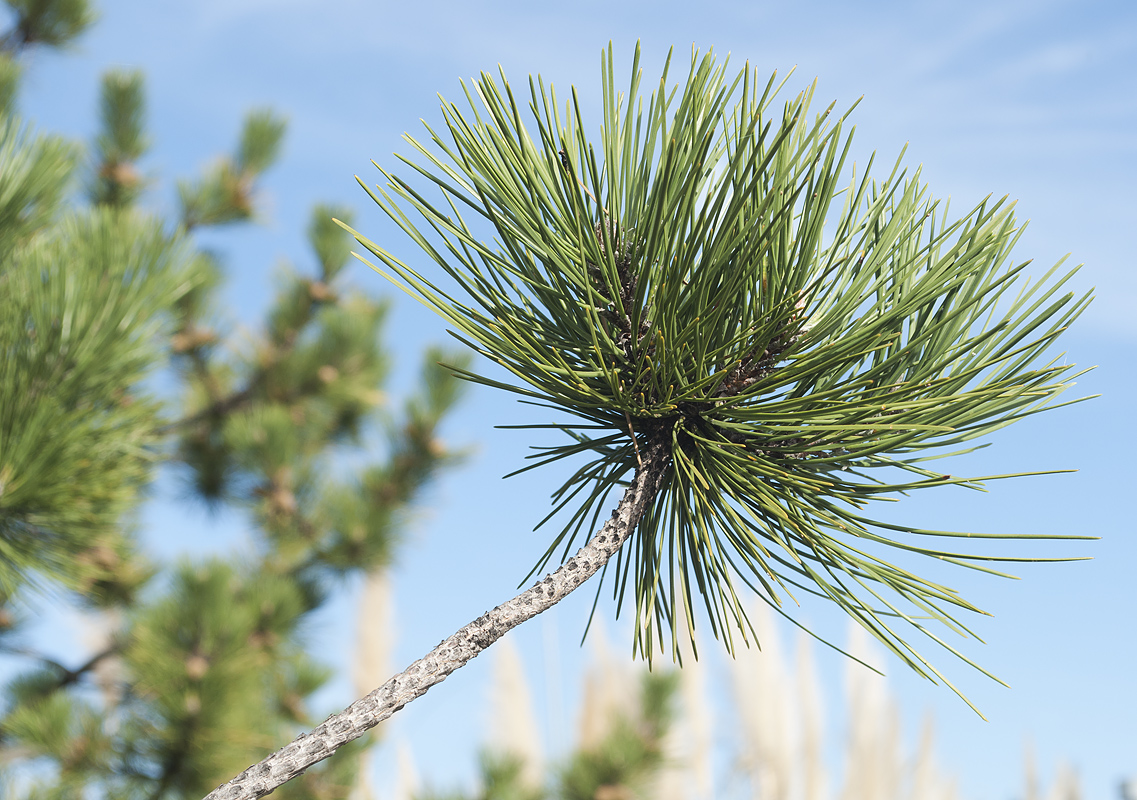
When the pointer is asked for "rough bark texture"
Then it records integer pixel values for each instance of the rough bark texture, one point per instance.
(365, 713)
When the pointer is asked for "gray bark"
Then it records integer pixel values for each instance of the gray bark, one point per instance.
(452, 653)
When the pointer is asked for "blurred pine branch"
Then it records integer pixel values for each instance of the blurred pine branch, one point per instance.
(193, 669)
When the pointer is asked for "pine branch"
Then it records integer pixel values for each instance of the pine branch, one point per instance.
(453, 653)
(67, 677)
(216, 409)
(50, 22)
(190, 341)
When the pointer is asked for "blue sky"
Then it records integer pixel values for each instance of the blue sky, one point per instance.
(1033, 99)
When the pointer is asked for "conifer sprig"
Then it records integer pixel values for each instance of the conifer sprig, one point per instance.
(55, 23)
(715, 281)
(225, 194)
(122, 140)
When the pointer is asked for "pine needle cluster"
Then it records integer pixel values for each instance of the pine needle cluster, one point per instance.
(715, 282)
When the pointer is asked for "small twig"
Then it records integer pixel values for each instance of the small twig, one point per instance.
(67, 676)
(214, 409)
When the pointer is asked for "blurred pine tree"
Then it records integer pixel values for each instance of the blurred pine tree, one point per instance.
(199, 667)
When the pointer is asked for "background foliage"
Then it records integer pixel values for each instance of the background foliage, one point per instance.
(758, 725)
(118, 362)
